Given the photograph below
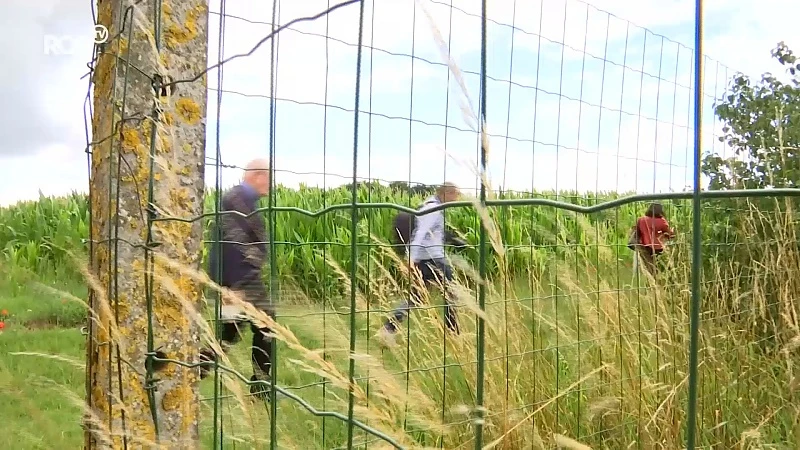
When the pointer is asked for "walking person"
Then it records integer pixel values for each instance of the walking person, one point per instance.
(424, 238)
(651, 230)
(243, 252)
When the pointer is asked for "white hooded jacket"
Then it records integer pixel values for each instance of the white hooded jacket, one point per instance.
(427, 240)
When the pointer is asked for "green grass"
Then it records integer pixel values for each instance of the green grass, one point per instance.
(576, 345)
(37, 407)
(41, 396)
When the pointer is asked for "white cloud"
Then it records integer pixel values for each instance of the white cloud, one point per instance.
(56, 170)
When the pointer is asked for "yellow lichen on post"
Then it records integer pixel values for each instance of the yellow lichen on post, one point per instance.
(124, 166)
(188, 110)
(131, 140)
(183, 30)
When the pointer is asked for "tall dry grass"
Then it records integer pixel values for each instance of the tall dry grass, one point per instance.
(573, 360)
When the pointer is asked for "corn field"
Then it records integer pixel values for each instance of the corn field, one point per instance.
(40, 235)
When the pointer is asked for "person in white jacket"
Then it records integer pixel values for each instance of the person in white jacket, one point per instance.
(426, 249)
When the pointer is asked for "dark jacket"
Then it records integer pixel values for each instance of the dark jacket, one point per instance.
(244, 247)
(403, 228)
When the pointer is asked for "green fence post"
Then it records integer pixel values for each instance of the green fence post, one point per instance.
(354, 235)
(694, 327)
(482, 250)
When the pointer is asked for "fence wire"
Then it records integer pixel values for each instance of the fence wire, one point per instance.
(564, 335)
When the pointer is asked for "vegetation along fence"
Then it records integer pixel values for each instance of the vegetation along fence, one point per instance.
(560, 122)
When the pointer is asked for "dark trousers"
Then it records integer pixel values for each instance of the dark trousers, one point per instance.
(433, 271)
(261, 352)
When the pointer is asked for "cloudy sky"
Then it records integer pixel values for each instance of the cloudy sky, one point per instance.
(599, 95)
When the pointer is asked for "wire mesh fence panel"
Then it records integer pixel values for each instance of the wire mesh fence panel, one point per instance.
(549, 146)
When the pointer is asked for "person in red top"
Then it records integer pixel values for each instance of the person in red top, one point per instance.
(652, 229)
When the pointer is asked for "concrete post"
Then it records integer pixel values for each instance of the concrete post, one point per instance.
(122, 128)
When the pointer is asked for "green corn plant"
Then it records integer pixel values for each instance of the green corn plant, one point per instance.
(36, 235)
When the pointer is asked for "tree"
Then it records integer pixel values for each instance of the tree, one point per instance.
(762, 126)
(133, 181)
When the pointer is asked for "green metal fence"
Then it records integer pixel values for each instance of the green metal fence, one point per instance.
(564, 336)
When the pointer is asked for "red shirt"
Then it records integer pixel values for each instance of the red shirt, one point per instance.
(652, 230)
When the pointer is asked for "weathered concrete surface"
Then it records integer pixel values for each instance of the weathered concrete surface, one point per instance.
(116, 380)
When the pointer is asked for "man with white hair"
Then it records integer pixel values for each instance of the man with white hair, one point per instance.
(237, 263)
